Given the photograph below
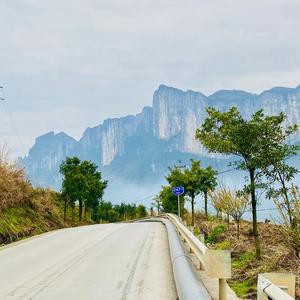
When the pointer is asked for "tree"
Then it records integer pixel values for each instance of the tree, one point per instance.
(280, 175)
(233, 204)
(96, 187)
(252, 141)
(106, 212)
(74, 184)
(216, 202)
(82, 182)
(195, 180)
(169, 201)
(157, 203)
(208, 183)
(290, 218)
(141, 211)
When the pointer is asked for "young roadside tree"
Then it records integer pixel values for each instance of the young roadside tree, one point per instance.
(280, 176)
(233, 205)
(208, 183)
(252, 141)
(216, 202)
(96, 187)
(74, 184)
(195, 180)
(82, 182)
(169, 201)
(157, 203)
(141, 211)
(290, 218)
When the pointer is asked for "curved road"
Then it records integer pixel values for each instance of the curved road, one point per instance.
(113, 261)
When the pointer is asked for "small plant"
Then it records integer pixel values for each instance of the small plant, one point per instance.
(216, 232)
(242, 261)
(243, 288)
(225, 245)
(197, 231)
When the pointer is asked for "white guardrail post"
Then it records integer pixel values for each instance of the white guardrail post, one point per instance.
(276, 286)
(216, 263)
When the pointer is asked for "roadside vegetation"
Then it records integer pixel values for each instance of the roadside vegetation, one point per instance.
(278, 254)
(261, 146)
(26, 211)
(195, 179)
(109, 213)
(83, 184)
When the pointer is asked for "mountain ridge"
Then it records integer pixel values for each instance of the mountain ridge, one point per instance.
(148, 142)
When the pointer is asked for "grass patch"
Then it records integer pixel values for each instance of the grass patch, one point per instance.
(22, 220)
(225, 245)
(242, 261)
(212, 238)
(242, 289)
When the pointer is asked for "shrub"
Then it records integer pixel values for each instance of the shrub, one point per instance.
(225, 245)
(14, 187)
(242, 261)
(216, 232)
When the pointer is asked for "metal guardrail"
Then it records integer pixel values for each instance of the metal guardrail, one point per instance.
(216, 263)
(188, 285)
(276, 286)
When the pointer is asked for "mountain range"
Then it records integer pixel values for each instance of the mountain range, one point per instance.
(134, 152)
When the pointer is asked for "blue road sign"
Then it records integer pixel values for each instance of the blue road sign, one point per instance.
(178, 190)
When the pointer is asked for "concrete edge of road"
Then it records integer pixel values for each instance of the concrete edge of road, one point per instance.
(33, 237)
(188, 286)
(27, 239)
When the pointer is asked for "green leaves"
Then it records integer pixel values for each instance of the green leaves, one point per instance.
(195, 179)
(82, 182)
(168, 200)
(261, 145)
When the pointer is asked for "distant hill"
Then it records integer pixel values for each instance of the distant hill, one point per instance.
(134, 152)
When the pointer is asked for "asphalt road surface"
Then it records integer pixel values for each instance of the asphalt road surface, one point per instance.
(113, 261)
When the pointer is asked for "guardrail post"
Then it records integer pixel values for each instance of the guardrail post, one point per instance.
(222, 289)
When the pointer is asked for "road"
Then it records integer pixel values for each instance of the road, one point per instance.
(111, 261)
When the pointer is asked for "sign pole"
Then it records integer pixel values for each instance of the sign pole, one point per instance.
(178, 191)
(178, 203)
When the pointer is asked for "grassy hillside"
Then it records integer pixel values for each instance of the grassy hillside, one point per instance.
(27, 211)
(23, 220)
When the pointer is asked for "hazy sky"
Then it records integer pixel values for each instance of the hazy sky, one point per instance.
(69, 64)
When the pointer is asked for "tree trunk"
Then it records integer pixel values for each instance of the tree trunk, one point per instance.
(205, 203)
(80, 210)
(85, 211)
(193, 210)
(238, 229)
(65, 209)
(254, 214)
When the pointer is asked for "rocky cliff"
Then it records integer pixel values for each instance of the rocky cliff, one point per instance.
(139, 148)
